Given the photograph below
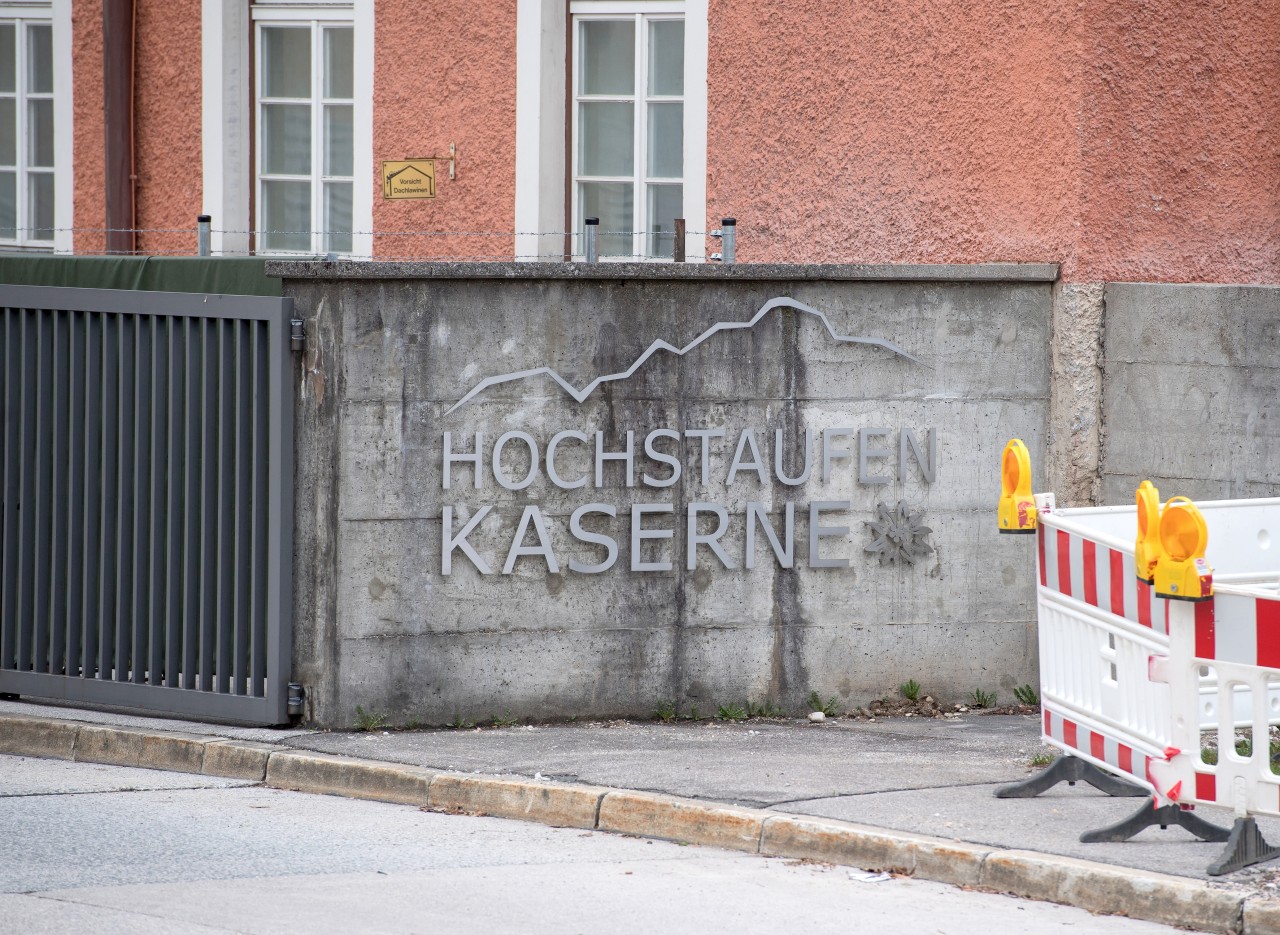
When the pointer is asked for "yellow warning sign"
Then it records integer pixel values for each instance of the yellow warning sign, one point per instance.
(409, 178)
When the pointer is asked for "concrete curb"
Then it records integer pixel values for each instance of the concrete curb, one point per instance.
(1100, 888)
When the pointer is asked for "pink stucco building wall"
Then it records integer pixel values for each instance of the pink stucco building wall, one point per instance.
(90, 177)
(1121, 142)
(168, 124)
(447, 78)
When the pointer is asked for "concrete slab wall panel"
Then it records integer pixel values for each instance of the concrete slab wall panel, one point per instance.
(1191, 391)
(379, 626)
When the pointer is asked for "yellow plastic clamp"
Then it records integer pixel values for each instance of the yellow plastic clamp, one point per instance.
(1017, 510)
(1146, 551)
(1183, 573)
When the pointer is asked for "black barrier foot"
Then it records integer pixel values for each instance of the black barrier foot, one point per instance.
(1069, 769)
(1164, 816)
(1245, 847)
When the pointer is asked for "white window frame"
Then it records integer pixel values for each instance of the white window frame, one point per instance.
(542, 75)
(230, 102)
(315, 101)
(640, 98)
(57, 14)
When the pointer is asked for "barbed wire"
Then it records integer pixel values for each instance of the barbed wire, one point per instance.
(326, 233)
(370, 258)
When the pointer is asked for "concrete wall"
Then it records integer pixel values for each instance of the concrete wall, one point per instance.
(392, 347)
(1191, 391)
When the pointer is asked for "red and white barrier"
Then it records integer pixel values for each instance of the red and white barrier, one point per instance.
(1129, 680)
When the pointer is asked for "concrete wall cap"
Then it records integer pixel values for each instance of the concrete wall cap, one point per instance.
(741, 272)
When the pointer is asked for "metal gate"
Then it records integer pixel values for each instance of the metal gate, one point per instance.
(147, 500)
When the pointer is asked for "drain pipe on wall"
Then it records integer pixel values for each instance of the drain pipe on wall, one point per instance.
(118, 46)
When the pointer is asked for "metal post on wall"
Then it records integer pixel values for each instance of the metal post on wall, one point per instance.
(593, 240)
(204, 235)
(677, 252)
(729, 227)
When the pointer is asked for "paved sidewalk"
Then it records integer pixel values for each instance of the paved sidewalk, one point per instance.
(925, 776)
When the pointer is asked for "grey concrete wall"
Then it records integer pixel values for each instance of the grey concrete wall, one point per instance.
(1071, 468)
(390, 349)
(1191, 391)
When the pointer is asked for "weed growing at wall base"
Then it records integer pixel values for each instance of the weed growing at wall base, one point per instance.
(764, 708)
(369, 721)
(1026, 694)
(830, 707)
(983, 699)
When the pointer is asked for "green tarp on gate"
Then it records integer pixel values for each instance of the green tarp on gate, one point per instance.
(222, 275)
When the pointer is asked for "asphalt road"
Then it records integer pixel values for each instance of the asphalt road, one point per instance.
(102, 849)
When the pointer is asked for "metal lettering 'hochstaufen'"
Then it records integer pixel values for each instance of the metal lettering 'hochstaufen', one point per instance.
(737, 463)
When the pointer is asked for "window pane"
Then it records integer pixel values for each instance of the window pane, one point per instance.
(337, 139)
(8, 131)
(7, 58)
(40, 205)
(286, 61)
(286, 139)
(338, 68)
(612, 203)
(337, 216)
(666, 57)
(666, 140)
(605, 139)
(286, 216)
(608, 62)
(666, 203)
(40, 59)
(40, 132)
(8, 205)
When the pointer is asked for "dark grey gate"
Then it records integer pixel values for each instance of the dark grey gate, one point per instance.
(147, 500)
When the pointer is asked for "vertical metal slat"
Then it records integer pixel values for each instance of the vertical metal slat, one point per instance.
(261, 505)
(93, 466)
(157, 500)
(243, 513)
(26, 497)
(140, 482)
(208, 504)
(124, 499)
(77, 364)
(175, 493)
(108, 546)
(226, 500)
(58, 501)
(42, 504)
(10, 440)
(193, 331)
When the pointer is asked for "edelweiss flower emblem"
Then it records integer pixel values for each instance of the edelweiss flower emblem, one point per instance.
(898, 534)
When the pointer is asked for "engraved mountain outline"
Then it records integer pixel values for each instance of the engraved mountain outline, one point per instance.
(661, 345)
